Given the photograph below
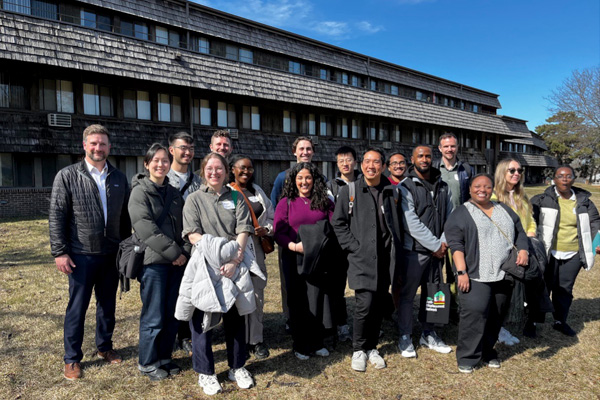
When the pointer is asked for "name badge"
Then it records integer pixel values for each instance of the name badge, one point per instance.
(228, 204)
(574, 210)
(253, 199)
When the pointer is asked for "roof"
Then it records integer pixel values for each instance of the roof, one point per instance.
(530, 160)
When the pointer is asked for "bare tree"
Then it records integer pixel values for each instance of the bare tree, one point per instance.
(580, 94)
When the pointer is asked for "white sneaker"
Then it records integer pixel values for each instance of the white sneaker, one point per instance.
(301, 356)
(507, 338)
(242, 377)
(434, 342)
(406, 346)
(209, 384)
(322, 352)
(359, 361)
(375, 359)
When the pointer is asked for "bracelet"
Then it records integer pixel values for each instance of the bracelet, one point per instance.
(463, 272)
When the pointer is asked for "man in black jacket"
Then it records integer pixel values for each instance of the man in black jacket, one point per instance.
(368, 227)
(426, 205)
(88, 219)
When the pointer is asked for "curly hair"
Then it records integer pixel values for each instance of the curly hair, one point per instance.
(318, 198)
(520, 198)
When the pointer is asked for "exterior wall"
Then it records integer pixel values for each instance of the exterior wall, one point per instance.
(24, 202)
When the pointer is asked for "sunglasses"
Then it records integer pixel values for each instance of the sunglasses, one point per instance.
(519, 170)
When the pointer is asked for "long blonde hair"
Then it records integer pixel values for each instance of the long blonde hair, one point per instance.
(521, 201)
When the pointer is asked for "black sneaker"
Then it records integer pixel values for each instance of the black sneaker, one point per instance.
(157, 374)
(261, 351)
(171, 368)
(564, 328)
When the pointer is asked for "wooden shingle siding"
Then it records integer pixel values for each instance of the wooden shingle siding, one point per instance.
(53, 43)
(530, 160)
(245, 32)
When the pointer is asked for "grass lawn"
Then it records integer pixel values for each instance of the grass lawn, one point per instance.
(33, 298)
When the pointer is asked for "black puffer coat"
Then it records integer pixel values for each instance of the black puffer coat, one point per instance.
(76, 216)
(146, 204)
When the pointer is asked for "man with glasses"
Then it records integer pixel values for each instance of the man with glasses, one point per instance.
(368, 228)
(182, 178)
(396, 167)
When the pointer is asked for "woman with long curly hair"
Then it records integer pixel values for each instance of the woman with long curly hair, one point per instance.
(304, 202)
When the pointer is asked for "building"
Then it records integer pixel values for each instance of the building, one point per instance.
(146, 69)
(530, 154)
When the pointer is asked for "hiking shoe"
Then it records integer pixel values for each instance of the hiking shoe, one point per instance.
(72, 371)
(242, 377)
(406, 347)
(157, 374)
(359, 361)
(434, 342)
(465, 369)
(301, 356)
(261, 351)
(344, 333)
(322, 352)
(564, 328)
(507, 338)
(209, 384)
(375, 359)
(110, 356)
(186, 345)
(494, 363)
(171, 368)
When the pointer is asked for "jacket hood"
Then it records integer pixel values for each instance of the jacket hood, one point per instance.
(434, 173)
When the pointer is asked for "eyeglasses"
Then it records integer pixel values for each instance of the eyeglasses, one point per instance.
(345, 160)
(519, 170)
(185, 148)
(567, 177)
(244, 168)
(217, 170)
(377, 161)
(396, 163)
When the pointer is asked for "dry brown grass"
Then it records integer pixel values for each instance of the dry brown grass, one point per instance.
(33, 297)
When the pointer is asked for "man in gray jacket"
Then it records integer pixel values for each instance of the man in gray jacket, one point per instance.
(88, 218)
(182, 178)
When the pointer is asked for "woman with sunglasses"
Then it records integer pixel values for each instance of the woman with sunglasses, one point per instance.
(567, 221)
(509, 189)
(241, 178)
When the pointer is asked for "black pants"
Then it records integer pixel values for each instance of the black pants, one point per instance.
(368, 315)
(560, 278)
(98, 274)
(482, 310)
(235, 339)
(338, 292)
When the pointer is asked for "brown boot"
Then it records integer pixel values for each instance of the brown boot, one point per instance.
(110, 356)
(73, 371)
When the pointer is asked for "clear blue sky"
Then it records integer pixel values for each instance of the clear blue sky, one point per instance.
(519, 49)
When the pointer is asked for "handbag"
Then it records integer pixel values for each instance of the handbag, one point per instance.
(437, 303)
(266, 242)
(130, 256)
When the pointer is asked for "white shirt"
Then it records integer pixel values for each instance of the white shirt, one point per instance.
(564, 255)
(100, 179)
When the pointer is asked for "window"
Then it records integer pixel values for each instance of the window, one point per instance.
(169, 108)
(12, 93)
(475, 108)
(373, 130)
(20, 6)
(421, 96)
(342, 127)
(324, 74)
(91, 19)
(341, 77)
(201, 112)
(231, 52)
(356, 129)
(56, 95)
(294, 67)
(246, 56)
(396, 134)
(488, 143)
(356, 81)
(325, 125)
(383, 132)
(416, 136)
(394, 90)
(97, 100)
(226, 116)
(373, 85)
(309, 125)
(167, 37)
(138, 30)
(136, 104)
(251, 118)
(289, 121)
(203, 46)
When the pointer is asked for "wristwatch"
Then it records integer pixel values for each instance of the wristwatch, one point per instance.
(461, 272)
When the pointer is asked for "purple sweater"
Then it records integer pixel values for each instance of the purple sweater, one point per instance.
(287, 222)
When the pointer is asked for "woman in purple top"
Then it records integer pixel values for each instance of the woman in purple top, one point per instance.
(304, 201)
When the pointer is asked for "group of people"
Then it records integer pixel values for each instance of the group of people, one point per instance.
(383, 235)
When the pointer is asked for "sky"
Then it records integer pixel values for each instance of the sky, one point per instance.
(518, 49)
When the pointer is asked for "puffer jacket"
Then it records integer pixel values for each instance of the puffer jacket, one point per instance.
(76, 218)
(146, 204)
(546, 212)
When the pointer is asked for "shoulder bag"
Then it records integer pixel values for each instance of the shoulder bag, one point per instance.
(266, 242)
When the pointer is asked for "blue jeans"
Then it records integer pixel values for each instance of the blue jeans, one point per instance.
(97, 273)
(159, 288)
